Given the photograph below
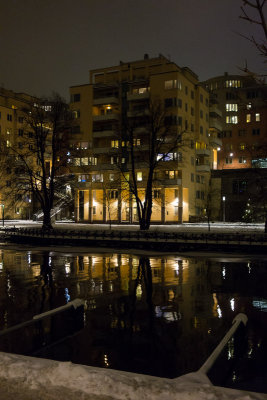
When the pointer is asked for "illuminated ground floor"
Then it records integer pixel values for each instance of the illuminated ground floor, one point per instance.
(170, 205)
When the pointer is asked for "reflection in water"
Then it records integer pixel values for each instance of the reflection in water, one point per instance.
(156, 315)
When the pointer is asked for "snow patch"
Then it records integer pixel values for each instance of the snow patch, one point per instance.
(47, 375)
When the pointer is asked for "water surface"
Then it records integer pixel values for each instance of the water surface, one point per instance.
(158, 315)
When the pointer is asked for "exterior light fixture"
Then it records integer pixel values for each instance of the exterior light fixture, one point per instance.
(223, 200)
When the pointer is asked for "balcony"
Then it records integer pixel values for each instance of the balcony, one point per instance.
(102, 150)
(106, 117)
(203, 152)
(84, 185)
(171, 182)
(215, 123)
(106, 100)
(138, 113)
(203, 168)
(215, 111)
(214, 140)
(102, 134)
(137, 96)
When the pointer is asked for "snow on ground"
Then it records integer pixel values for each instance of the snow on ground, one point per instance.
(27, 378)
(185, 227)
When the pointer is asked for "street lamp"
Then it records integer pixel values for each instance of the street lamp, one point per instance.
(223, 200)
(3, 213)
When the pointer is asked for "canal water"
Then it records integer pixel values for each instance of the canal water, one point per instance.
(160, 315)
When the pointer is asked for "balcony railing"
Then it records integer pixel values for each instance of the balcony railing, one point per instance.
(137, 96)
(215, 110)
(171, 182)
(202, 168)
(215, 141)
(102, 134)
(215, 123)
(106, 117)
(203, 152)
(106, 100)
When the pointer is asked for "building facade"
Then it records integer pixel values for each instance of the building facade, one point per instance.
(242, 101)
(100, 157)
(15, 203)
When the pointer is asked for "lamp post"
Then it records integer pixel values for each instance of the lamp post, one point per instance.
(3, 213)
(223, 201)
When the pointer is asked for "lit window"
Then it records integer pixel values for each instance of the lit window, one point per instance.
(173, 84)
(231, 107)
(242, 160)
(232, 83)
(111, 177)
(248, 118)
(115, 144)
(231, 119)
(242, 146)
(257, 117)
(141, 90)
(84, 161)
(136, 142)
(76, 114)
(139, 176)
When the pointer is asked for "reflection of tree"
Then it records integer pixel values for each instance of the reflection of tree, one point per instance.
(144, 274)
(47, 277)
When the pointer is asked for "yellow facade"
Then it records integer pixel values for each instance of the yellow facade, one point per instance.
(13, 203)
(124, 92)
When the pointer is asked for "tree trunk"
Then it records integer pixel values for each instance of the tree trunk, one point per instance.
(47, 225)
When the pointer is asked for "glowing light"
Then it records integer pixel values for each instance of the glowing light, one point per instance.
(67, 268)
(67, 296)
(106, 360)
(223, 272)
(139, 291)
(219, 311)
(232, 304)
(249, 267)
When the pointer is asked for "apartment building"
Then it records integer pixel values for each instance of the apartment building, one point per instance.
(13, 202)
(100, 156)
(242, 159)
(242, 101)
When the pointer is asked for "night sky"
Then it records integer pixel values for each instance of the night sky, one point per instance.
(49, 45)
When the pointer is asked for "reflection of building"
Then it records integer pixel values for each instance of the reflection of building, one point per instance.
(125, 93)
(241, 100)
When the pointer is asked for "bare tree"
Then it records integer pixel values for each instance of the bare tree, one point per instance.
(40, 153)
(161, 140)
(253, 12)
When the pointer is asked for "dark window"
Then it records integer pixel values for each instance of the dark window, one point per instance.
(255, 132)
(170, 102)
(75, 98)
(9, 117)
(20, 132)
(75, 129)
(239, 186)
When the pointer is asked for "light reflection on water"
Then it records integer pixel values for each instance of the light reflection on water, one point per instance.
(162, 317)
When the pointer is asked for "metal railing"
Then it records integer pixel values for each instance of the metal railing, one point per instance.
(239, 318)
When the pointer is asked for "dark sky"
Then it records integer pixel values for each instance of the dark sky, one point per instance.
(49, 45)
